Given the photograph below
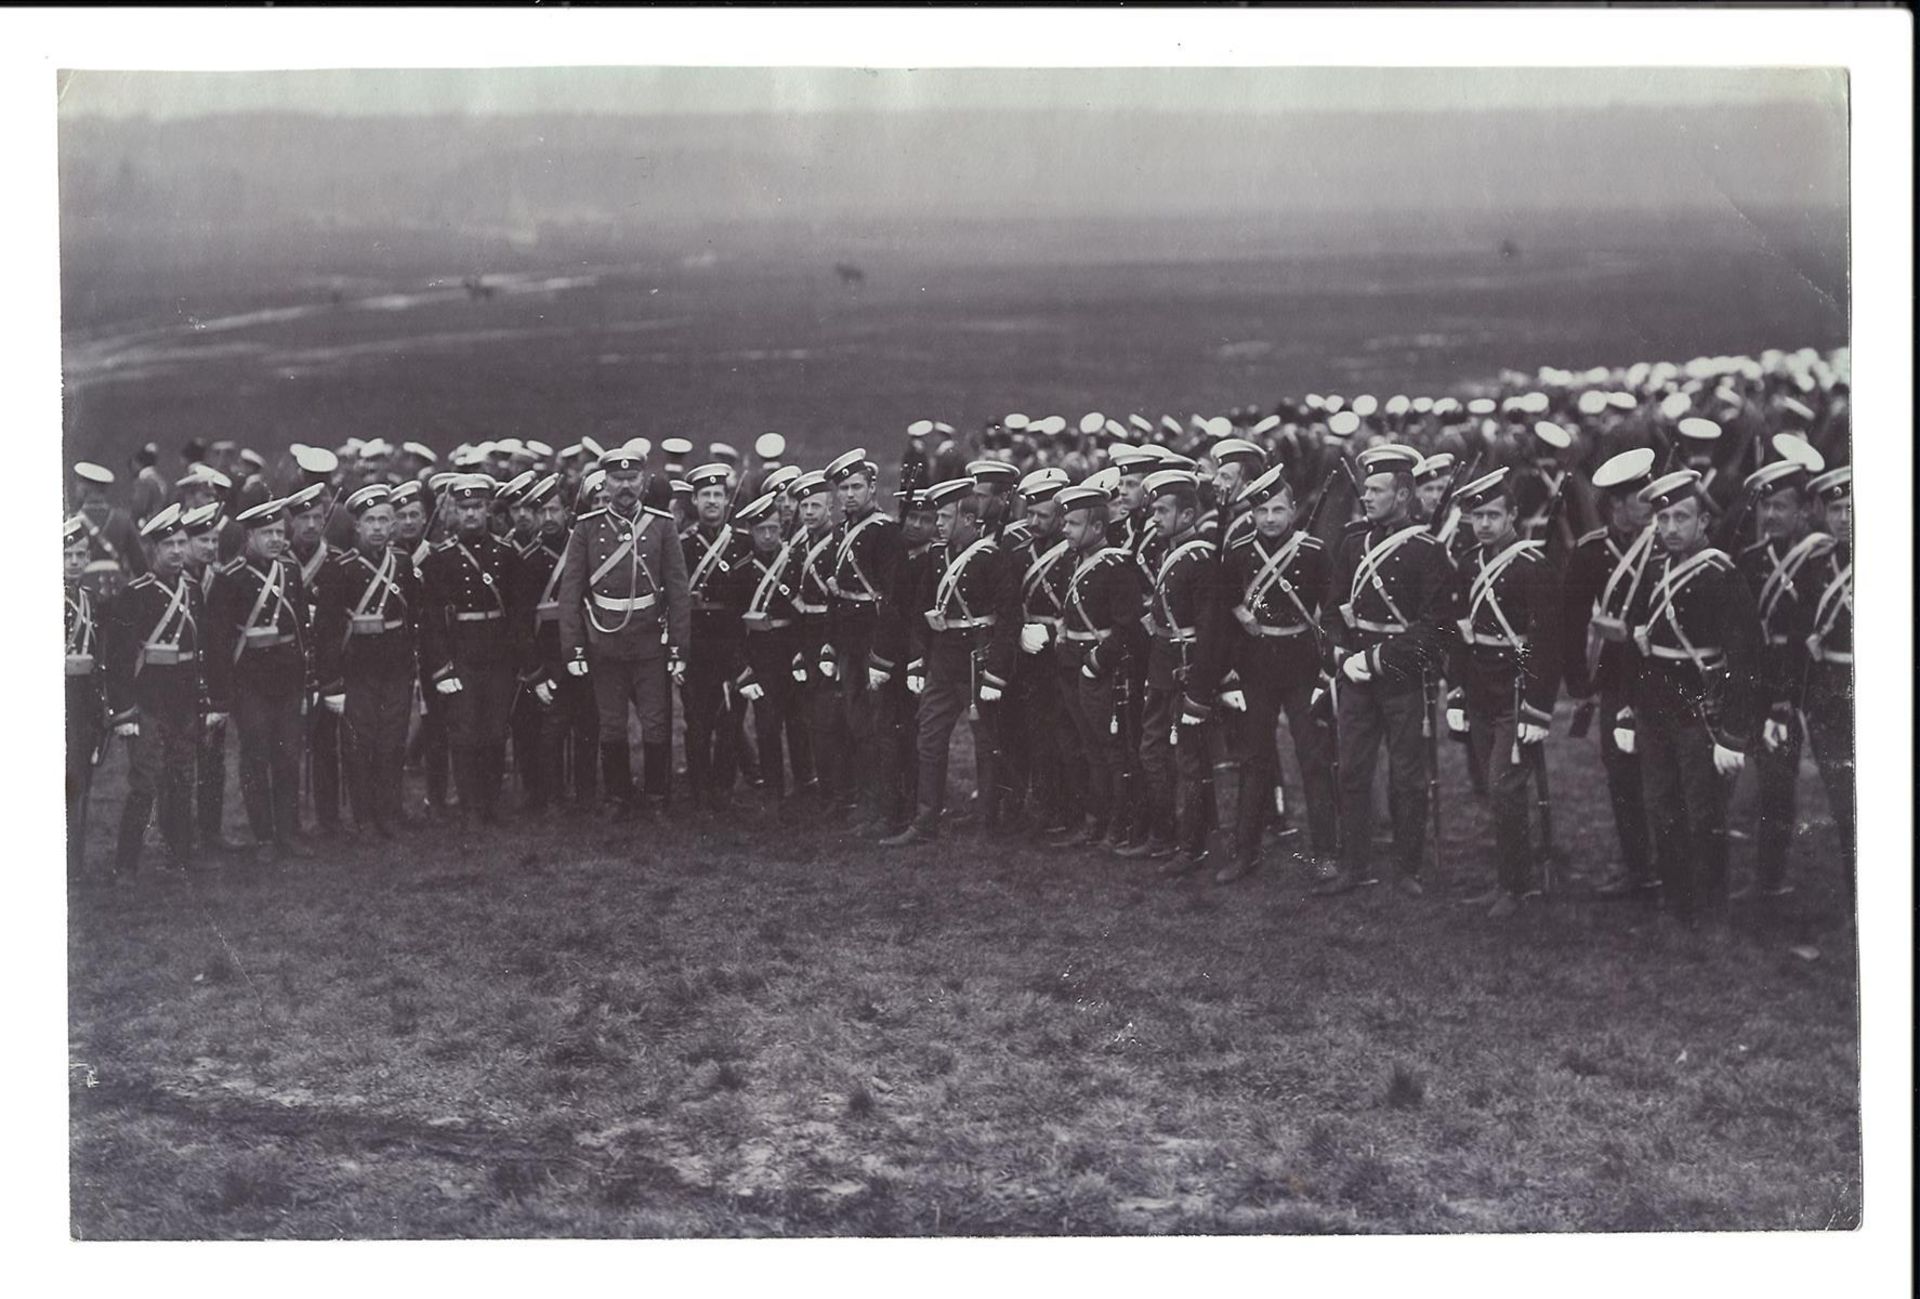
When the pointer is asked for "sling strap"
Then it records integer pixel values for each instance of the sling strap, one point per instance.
(1785, 569)
(949, 586)
(1036, 576)
(845, 557)
(1368, 569)
(1482, 592)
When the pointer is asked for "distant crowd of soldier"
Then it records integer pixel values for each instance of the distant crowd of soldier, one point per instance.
(1122, 609)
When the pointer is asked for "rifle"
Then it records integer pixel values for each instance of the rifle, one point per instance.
(1320, 497)
(1461, 472)
(1430, 733)
(1728, 533)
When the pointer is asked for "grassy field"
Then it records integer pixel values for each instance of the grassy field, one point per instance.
(757, 1025)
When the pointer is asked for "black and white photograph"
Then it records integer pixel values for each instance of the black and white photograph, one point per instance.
(702, 650)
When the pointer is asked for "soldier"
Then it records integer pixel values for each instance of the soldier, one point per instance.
(1430, 479)
(1604, 575)
(772, 636)
(366, 624)
(1694, 625)
(153, 664)
(1275, 578)
(1826, 693)
(1036, 734)
(1535, 492)
(473, 637)
(201, 525)
(1175, 748)
(1699, 441)
(1236, 462)
(204, 486)
(813, 546)
(1775, 569)
(1390, 576)
(149, 488)
(556, 731)
(962, 658)
(1506, 604)
(257, 657)
(1102, 599)
(84, 706)
(624, 619)
(714, 552)
(115, 556)
(866, 556)
(309, 512)
(917, 531)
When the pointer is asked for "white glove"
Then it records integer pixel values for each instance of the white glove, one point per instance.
(1775, 734)
(876, 678)
(215, 721)
(1234, 699)
(448, 686)
(1355, 668)
(677, 671)
(1033, 638)
(800, 675)
(753, 692)
(915, 684)
(1086, 670)
(127, 730)
(1623, 740)
(544, 692)
(577, 668)
(1190, 719)
(1531, 733)
(989, 694)
(1726, 761)
(1313, 700)
(1457, 720)
(829, 669)
(336, 704)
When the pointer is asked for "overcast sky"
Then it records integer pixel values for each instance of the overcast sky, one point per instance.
(165, 95)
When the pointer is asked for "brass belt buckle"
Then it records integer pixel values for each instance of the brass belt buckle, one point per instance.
(79, 665)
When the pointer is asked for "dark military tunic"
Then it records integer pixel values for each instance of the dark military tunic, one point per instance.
(366, 627)
(153, 666)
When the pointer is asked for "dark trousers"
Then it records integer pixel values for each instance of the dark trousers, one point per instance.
(1491, 729)
(708, 705)
(1829, 713)
(1777, 780)
(1252, 736)
(83, 734)
(1373, 714)
(269, 722)
(477, 718)
(1156, 793)
(1626, 790)
(570, 741)
(210, 783)
(780, 714)
(1686, 805)
(863, 721)
(949, 693)
(374, 727)
(527, 730)
(640, 683)
(1095, 749)
(826, 721)
(1130, 708)
(160, 769)
(429, 743)
(323, 740)
(1039, 775)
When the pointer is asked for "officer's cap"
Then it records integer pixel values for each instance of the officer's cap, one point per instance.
(639, 446)
(1676, 404)
(205, 476)
(420, 450)
(1433, 467)
(1171, 482)
(807, 484)
(1392, 458)
(252, 459)
(261, 515)
(471, 487)
(952, 489)
(317, 461)
(1698, 429)
(406, 492)
(307, 498)
(1628, 471)
(1795, 447)
(506, 447)
(620, 458)
(1092, 422)
(1342, 423)
(510, 490)
(723, 451)
(1801, 412)
(1263, 488)
(1481, 406)
(710, 475)
(466, 456)
(540, 450)
(1266, 425)
(443, 480)
(675, 448)
(943, 428)
(780, 478)
(1552, 435)
(570, 452)
(1174, 460)
(1141, 422)
(1014, 422)
(74, 530)
(1043, 484)
(1835, 484)
(1481, 490)
(993, 471)
(682, 489)
(1446, 406)
(375, 448)
(758, 509)
(201, 519)
(1126, 458)
(1669, 489)
(1592, 402)
(367, 497)
(1168, 424)
(592, 483)
(1365, 405)
(593, 446)
(541, 492)
(849, 463)
(1229, 451)
(1424, 405)
(770, 446)
(1114, 429)
(164, 523)
(1776, 476)
(1398, 404)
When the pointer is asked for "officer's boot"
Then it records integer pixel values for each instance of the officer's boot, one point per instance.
(924, 828)
(616, 774)
(656, 759)
(1233, 847)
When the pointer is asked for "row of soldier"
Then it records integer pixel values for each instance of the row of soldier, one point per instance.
(1123, 645)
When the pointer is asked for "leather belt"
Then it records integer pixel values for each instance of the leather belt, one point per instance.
(1831, 656)
(1264, 629)
(1498, 642)
(79, 665)
(1379, 628)
(479, 615)
(546, 612)
(267, 638)
(1779, 640)
(800, 607)
(1179, 635)
(166, 656)
(1700, 657)
(1046, 620)
(940, 622)
(709, 606)
(623, 604)
(770, 624)
(372, 626)
(1102, 634)
(857, 597)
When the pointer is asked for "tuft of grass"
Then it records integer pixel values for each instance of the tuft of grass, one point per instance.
(860, 1101)
(220, 969)
(1406, 1090)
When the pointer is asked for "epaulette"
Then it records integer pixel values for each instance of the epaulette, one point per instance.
(657, 512)
(1715, 558)
(440, 547)
(1426, 535)
(579, 519)
(1752, 546)
(1358, 525)
(1239, 542)
(1311, 542)
(145, 579)
(690, 530)
(233, 565)
(1598, 534)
